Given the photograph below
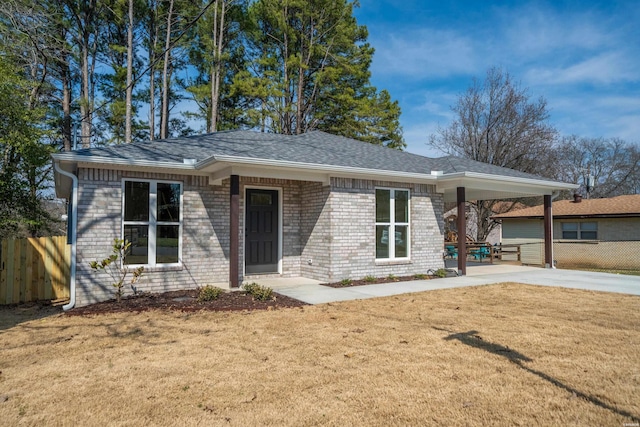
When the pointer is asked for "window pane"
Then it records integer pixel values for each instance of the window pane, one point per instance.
(569, 226)
(401, 241)
(589, 235)
(167, 244)
(569, 234)
(589, 226)
(261, 199)
(402, 206)
(138, 235)
(136, 201)
(383, 205)
(382, 241)
(168, 202)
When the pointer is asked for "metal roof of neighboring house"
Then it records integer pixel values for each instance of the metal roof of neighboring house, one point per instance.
(620, 206)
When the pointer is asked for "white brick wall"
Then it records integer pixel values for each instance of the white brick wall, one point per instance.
(352, 219)
(333, 227)
(205, 233)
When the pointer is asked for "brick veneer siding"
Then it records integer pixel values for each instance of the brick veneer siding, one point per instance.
(328, 231)
(205, 233)
(352, 236)
(315, 227)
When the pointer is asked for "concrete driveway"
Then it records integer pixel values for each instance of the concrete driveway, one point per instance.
(312, 292)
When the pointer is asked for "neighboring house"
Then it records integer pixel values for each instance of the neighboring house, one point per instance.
(586, 232)
(451, 218)
(229, 207)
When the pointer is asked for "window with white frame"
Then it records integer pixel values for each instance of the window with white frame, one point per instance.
(392, 223)
(152, 222)
(580, 230)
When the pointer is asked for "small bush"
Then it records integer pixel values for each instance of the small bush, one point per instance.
(420, 276)
(441, 273)
(346, 282)
(258, 292)
(209, 293)
(392, 277)
(370, 279)
(116, 268)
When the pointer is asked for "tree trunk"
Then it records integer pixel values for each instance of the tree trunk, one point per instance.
(153, 35)
(66, 104)
(164, 116)
(300, 101)
(286, 107)
(85, 110)
(216, 69)
(129, 92)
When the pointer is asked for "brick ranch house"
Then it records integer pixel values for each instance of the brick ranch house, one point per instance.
(225, 207)
(602, 233)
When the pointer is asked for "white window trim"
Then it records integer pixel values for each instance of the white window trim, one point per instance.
(153, 223)
(579, 230)
(392, 225)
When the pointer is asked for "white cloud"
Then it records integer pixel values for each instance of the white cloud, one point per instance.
(597, 115)
(605, 68)
(424, 54)
(534, 30)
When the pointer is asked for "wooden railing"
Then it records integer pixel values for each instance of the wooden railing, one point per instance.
(34, 269)
(509, 251)
(480, 251)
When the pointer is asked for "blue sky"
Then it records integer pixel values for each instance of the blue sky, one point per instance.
(583, 57)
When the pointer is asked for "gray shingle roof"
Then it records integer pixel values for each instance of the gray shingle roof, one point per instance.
(314, 147)
(452, 164)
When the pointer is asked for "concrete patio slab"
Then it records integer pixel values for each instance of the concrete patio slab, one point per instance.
(311, 292)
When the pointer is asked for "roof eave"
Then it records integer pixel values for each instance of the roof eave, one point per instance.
(103, 162)
(483, 186)
(214, 162)
(456, 176)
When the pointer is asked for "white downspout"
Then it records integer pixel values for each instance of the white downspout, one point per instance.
(554, 195)
(73, 235)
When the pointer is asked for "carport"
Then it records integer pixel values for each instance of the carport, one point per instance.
(463, 180)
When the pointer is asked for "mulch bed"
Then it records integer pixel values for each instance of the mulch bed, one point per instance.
(186, 301)
(378, 280)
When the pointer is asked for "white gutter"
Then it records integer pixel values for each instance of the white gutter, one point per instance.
(72, 232)
(70, 157)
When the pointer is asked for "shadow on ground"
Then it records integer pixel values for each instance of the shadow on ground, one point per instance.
(473, 339)
(15, 314)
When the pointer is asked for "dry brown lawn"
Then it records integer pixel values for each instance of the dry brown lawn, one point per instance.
(503, 354)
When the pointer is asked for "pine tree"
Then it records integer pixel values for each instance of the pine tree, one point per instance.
(308, 68)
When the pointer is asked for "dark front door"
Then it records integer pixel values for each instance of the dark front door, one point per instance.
(261, 231)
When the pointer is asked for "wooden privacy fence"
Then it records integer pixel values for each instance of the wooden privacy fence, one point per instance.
(34, 269)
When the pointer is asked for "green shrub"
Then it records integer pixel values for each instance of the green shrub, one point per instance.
(258, 292)
(346, 282)
(441, 273)
(209, 293)
(392, 277)
(420, 276)
(370, 279)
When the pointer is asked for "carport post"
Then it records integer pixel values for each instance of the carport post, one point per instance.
(548, 233)
(234, 231)
(462, 233)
